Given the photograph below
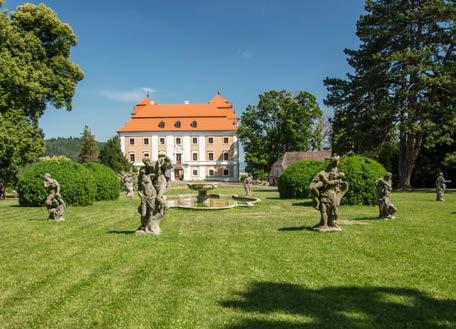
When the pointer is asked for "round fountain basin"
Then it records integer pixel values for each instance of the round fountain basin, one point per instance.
(213, 201)
(202, 186)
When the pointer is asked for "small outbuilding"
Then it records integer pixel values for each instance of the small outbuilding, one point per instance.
(290, 157)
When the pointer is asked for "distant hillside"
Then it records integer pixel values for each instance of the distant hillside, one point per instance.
(67, 146)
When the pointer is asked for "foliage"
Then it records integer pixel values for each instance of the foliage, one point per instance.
(106, 180)
(294, 181)
(67, 146)
(321, 131)
(403, 81)
(111, 155)
(279, 123)
(285, 276)
(76, 183)
(89, 148)
(361, 173)
(35, 61)
(35, 71)
(21, 142)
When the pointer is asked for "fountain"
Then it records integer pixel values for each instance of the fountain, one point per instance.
(202, 189)
(205, 201)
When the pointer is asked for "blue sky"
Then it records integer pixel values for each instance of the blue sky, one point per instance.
(188, 50)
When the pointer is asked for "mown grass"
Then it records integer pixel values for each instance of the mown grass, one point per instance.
(236, 269)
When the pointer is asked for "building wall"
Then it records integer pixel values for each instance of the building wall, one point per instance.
(190, 143)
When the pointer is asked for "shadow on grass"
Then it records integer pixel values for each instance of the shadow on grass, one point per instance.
(303, 204)
(296, 228)
(366, 218)
(121, 232)
(341, 307)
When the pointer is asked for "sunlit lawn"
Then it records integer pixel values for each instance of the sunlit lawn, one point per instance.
(236, 269)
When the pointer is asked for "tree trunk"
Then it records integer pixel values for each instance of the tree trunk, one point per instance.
(410, 145)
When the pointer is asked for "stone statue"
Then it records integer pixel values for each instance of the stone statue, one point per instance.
(127, 183)
(54, 201)
(248, 185)
(2, 191)
(327, 188)
(153, 184)
(440, 187)
(384, 186)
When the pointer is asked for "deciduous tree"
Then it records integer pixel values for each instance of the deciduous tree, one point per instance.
(280, 122)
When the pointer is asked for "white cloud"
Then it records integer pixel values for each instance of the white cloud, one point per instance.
(245, 54)
(128, 95)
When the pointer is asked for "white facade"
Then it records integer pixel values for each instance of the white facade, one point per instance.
(199, 169)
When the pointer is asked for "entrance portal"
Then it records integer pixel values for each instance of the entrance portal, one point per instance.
(179, 174)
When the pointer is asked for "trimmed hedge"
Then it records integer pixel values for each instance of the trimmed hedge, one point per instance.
(106, 180)
(361, 173)
(77, 184)
(294, 181)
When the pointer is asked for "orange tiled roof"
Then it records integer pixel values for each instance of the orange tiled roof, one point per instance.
(217, 115)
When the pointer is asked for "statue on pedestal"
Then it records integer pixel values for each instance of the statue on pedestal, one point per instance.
(383, 193)
(54, 201)
(127, 183)
(153, 184)
(248, 185)
(327, 189)
(440, 187)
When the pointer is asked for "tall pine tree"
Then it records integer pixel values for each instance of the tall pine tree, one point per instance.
(111, 155)
(404, 81)
(89, 148)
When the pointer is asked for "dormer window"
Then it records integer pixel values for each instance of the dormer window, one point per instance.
(194, 124)
(161, 124)
(177, 124)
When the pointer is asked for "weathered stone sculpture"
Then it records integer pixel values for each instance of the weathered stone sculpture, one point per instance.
(328, 188)
(440, 187)
(153, 185)
(383, 192)
(248, 185)
(54, 201)
(127, 183)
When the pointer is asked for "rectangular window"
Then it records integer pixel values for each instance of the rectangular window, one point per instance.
(162, 141)
(195, 140)
(211, 172)
(195, 156)
(195, 172)
(225, 156)
(225, 140)
(132, 141)
(132, 157)
(211, 156)
(226, 172)
(178, 158)
(211, 140)
(146, 141)
(178, 141)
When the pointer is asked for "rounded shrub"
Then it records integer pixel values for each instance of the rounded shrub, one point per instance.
(294, 181)
(361, 173)
(77, 184)
(106, 180)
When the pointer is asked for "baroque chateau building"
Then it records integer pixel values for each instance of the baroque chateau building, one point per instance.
(200, 139)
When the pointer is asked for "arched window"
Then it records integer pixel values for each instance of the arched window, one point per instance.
(161, 124)
(177, 124)
(194, 124)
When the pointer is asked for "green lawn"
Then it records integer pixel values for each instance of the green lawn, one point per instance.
(234, 269)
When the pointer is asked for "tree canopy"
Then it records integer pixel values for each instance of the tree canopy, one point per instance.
(280, 122)
(36, 71)
(403, 84)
